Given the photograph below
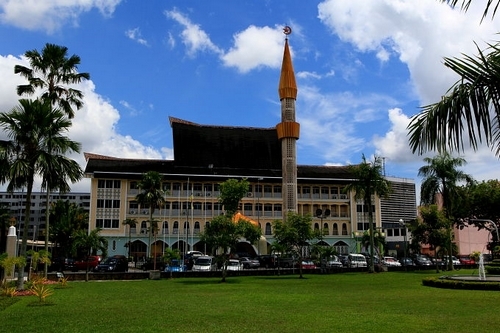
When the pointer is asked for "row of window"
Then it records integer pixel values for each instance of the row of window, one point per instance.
(258, 190)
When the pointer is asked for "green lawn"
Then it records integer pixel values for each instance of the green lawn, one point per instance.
(348, 302)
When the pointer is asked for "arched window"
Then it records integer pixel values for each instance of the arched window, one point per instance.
(326, 229)
(344, 229)
(165, 228)
(268, 229)
(316, 226)
(176, 227)
(144, 227)
(335, 231)
(197, 227)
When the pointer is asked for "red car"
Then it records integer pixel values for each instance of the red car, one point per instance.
(466, 260)
(308, 264)
(89, 263)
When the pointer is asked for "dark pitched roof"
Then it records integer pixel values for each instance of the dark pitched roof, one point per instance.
(225, 146)
(215, 151)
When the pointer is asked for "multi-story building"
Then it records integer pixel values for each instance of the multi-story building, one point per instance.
(204, 157)
(15, 203)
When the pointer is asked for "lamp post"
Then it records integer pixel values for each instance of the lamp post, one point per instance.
(403, 224)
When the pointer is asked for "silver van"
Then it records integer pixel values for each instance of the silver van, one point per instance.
(356, 260)
(204, 263)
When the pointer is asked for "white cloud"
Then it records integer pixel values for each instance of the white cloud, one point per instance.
(50, 15)
(256, 47)
(135, 35)
(94, 125)
(418, 33)
(194, 38)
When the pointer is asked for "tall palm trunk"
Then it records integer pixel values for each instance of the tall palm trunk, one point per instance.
(24, 243)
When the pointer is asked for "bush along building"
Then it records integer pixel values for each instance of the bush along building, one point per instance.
(207, 155)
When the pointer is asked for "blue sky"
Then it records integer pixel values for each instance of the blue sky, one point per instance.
(363, 68)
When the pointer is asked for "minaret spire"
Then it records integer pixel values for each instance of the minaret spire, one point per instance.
(288, 129)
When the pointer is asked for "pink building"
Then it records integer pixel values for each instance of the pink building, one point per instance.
(470, 239)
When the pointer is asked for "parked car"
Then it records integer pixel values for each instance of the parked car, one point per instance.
(89, 263)
(176, 265)
(422, 260)
(406, 261)
(149, 264)
(204, 263)
(62, 264)
(467, 260)
(332, 262)
(344, 259)
(117, 263)
(249, 263)
(356, 260)
(268, 260)
(190, 257)
(391, 262)
(454, 260)
(307, 264)
(234, 265)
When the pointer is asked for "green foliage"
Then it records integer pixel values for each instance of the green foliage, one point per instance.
(293, 234)
(231, 193)
(65, 219)
(38, 257)
(431, 228)
(41, 291)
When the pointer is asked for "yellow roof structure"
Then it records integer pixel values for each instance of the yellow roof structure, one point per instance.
(239, 216)
(288, 86)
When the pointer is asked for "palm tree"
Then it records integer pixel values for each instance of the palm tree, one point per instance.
(470, 107)
(152, 196)
(441, 177)
(131, 224)
(369, 181)
(90, 243)
(53, 72)
(36, 145)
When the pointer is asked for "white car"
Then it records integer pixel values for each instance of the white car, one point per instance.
(391, 261)
(234, 265)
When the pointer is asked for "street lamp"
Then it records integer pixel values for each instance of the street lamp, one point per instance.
(259, 193)
(403, 224)
(322, 215)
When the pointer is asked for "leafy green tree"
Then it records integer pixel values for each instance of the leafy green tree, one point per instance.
(90, 243)
(223, 232)
(131, 223)
(432, 228)
(66, 218)
(38, 257)
(54, 73)
(151, 196)
(170, 255)
(37, 144)
(294, 233)
(368, 182)
(440, 179)
(469, 108)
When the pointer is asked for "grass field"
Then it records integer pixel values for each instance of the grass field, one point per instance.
(348, 302)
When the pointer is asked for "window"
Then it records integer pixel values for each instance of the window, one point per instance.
(165, 228)
(107, 223)
(101, 183)
(176, 227)
(268, 228)
(335, 229)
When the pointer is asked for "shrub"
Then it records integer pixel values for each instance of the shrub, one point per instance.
(446, 282)
(41, 291)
